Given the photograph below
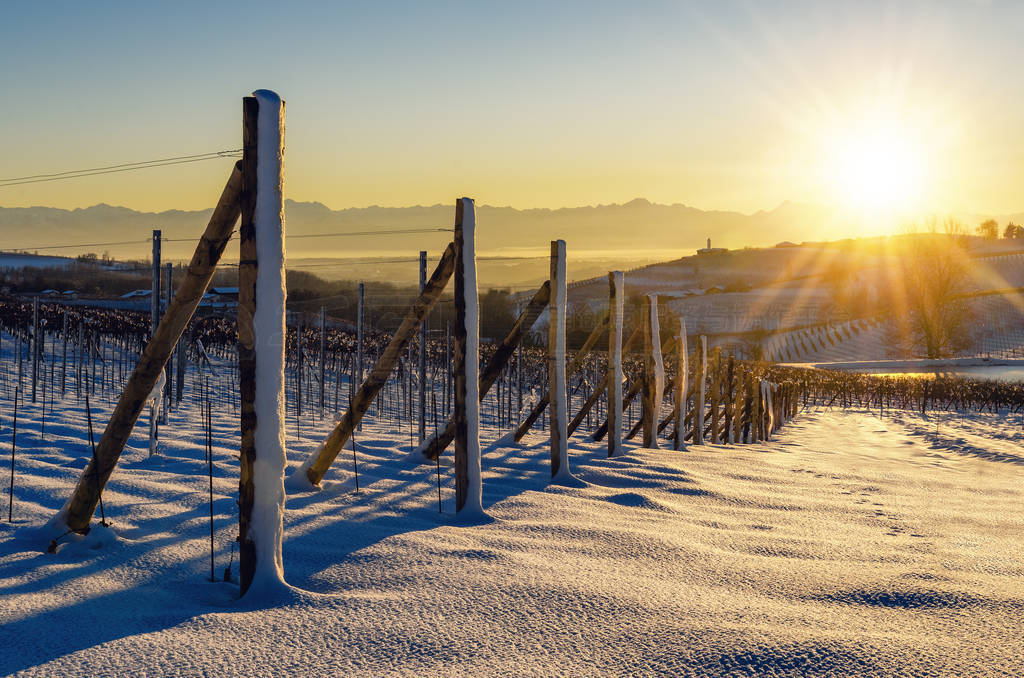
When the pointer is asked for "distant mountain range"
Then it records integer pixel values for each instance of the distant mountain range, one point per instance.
(636, 231)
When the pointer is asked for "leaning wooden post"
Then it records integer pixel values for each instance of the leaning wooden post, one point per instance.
(437, 443)
(261, 345)
(616, 313)
(701, 386)
(556, 364)
(680, 395)
(78, 510)
(316, 465)
(468, 486)
(574, 365)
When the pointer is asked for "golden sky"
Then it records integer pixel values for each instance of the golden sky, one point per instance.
(735, 106)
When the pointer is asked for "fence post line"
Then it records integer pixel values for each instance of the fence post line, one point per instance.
(556, 363)
(323, 359)
(616, 316)
(422, 404)
(261, 343)
(468, 488)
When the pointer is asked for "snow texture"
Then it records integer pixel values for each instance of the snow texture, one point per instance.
(683, 374)
(269, 324)
(852, 544)
(474, 491)
(659, 364)
(615, 359)
(701, 386)
(559, 407)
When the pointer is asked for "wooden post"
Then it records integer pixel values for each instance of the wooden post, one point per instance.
(556, 363)
(317, 464)
(78, 511)
(422, 372)
(616, 313)
(574, 365)
(701, 386)
(323, 358)
(439, 442)
(168, 385)
(35, 346)
(716, 389)
(654, 373)
(360, 309)
(468, 488)
(680, 386)
(183, 344)
(261, 342)
(154, 299)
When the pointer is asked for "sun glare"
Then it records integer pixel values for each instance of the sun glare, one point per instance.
(878, 168)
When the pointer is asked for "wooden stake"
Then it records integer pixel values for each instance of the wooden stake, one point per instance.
(82, 504)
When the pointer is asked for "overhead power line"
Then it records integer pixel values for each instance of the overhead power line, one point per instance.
(123, 167)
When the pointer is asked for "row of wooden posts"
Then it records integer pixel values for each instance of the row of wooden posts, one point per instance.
(738, 406)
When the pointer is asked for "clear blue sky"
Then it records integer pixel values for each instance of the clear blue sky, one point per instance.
(717, 105)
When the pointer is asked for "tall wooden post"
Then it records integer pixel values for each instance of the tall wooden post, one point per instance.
(468, 487)
(556, 364)
(698, 395)
(359, 344)
(422, 405)
(681, 379)
(261, 343)
(654, 374)
(35, 346)
(323, 358)
(616, 307)
(154, 298)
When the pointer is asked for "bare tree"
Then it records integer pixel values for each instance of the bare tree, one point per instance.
(989, 229)
(936, 317)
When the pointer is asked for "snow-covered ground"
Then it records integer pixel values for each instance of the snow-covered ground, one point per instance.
(851, 544)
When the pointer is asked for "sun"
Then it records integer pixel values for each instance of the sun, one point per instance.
(878, 167)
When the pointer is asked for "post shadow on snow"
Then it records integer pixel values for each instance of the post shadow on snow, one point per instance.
(100, 619)
(523, 468)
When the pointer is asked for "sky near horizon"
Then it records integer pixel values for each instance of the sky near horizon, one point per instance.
(724, 105)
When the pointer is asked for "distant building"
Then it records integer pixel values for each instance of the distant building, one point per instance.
(711, 250)
(136, 294)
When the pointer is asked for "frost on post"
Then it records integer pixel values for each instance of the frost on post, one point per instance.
(556, 366)
(659, 367)
(469, 490)
(616, 312)
(681, 378)
(266, 526)
(698, 393)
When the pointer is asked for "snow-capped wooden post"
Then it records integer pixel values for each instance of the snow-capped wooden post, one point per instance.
(616, 313)
(698, 395)
(261, 345)
(421, 372)
(77, 512)
(680, 386)
(556, 364)
(468, 486)
(654, 372)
